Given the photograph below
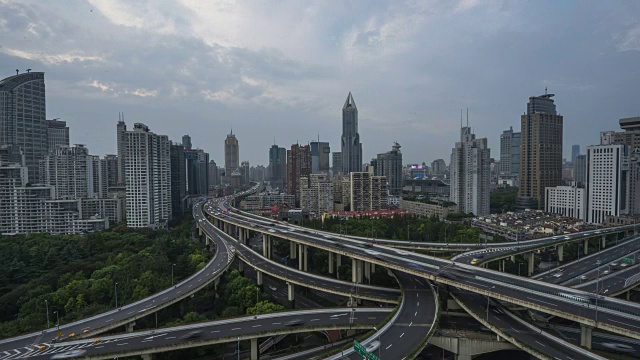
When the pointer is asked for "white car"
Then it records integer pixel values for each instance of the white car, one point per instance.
(372, 346)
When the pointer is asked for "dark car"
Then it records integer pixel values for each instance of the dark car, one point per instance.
(296, 322)
(192, 335)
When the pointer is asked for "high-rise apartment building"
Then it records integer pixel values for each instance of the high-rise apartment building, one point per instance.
(367, 192)
(231, 154)
(351, 146)
(438, 167)
(148, 178)
(98, 178)
(336, 163)
(22, 118)
(575, 151)
(389, 165)
(70, 171)
(245, 171)
(470, 174)
(607, 182)
(320, 157)
(112, 170)
(214, 176)
(121, 130)
(510, 152)
(57, 134)
(298, 165)
(540, 151)
(178, 179)
(316, 193)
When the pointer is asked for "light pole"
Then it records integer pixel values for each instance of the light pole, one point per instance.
(407, 232)
(172, 265)
(597, 290)
(238, 347)
(445, 233)
(46, 303)
(116, 291)
(57, 323)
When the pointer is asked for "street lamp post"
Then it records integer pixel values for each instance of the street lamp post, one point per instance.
(597, 290)
(46, 303)
(379, 342)
(57, 323)
(172, 265)
(238, 347)
(116, 291)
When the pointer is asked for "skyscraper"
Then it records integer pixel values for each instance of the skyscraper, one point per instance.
(277, 166)
(298, 165)
(540, 151)
(148, 178)
(57, 134)
(121, 131)
(389, 165)
(197, 170)
(470, 174)
(336, 162)
(438, 167)
(607, 182)
(22, 118)
(351, 146)
(580, 170)
(186, 142)
(231, 154)
(244, 170)
(214, 177)
(178, 179)
(575, 151)
(112, 170)
(510, 152)
(367, 192)
(320, 157)
(69, 171)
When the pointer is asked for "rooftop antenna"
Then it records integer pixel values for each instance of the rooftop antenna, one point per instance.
(28, 71)
(274, 140)
(460, 118)
(17, 71)
(545, 90)
(467, 117)
(232, 130)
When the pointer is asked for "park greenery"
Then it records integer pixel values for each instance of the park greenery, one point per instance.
(503, 200)
(77, 276)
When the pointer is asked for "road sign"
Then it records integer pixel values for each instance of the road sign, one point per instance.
(628, 260)
(373, 357)
(359, 348)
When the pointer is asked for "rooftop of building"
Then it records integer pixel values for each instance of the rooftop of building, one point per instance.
(9, 83)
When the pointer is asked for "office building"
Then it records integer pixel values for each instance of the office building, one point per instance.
(277, 166)
(298, 165)
(245, 171)
(69, 170)
(197, 170)
(186, 142)
(148, 178)
(336, 163)
(22, 118)
(367, 192)
(112, 209)
(438, 167)
(231, 154)
(258, 173)
(214, 175)
(607, 182)
(575, 151)
(540, 151)
(389, 165)
(57, 134)
(121, 130)
(470, 173)
(569, 201)
(351, 147)
(320, 157)
(510, 153)
(178, 179)
(580, 170)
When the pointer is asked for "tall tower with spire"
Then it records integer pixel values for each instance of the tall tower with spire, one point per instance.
(231, 154)
(351, 146)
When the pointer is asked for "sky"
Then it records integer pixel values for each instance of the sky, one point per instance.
(281, 70)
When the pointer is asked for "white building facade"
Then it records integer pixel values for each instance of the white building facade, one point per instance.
(607, 182)
(569, 201)
(470, 174)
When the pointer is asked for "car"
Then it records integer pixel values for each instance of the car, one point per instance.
(69, 354)
(296, 322)
(372, 346)
(583, 277)
(367, 245)
(195, 334)
(624, 348)
(273, 288)
(614, 264)
(606, 272)
(372, 253)
(624, 265)
(475, 261)
(558, 274)
(402, 252)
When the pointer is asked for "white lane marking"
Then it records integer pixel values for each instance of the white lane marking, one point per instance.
(276, 323)
(544, 302)
(387, 348)
(235, 329)
(122, 344)
(411, 323)
(402, 335)
(170, 337)
(541, 344)
(255, 326)
(315, 319)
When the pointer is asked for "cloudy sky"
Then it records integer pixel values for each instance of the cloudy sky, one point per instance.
(282, 69)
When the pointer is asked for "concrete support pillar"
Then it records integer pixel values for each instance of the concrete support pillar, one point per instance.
(367, 271)
(462, 357)
(265, 245)
(603, 242)
(199, 231)
(255, 354)
(373, 268)
(241, 267)
(585, 336)
(338, 260)
(291, 295)
(513, 259)
(241, 236)
(354, 270)
(146, 356)
(532, 258)
(628, 295)
(305, 248)
(259, 278)
(292, 250)
(130, 326)
(206, 240)
(300, 257)
(560, 253)
(330, 263)
(269, 247)
(216, 283)
(586, 246)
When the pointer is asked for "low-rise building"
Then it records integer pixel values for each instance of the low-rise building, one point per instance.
(428, 208)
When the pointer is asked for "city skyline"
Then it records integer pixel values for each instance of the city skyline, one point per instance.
(87, 84)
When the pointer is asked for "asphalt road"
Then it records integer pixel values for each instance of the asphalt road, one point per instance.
(168, 339)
